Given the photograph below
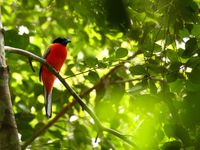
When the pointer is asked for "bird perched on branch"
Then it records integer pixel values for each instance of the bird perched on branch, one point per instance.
(55, 55)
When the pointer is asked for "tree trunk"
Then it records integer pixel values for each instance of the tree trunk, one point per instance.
(8, 129)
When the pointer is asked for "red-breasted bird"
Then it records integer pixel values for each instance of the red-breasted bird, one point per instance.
(55, 55)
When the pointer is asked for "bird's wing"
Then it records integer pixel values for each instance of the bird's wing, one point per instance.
(44, 56)
(46, 53)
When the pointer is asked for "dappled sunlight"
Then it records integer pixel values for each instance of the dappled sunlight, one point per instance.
(135, 66)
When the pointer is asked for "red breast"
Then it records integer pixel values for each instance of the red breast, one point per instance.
(57, 55)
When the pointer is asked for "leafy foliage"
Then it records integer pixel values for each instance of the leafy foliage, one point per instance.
(153, 96)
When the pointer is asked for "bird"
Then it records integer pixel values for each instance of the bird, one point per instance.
(55, 55)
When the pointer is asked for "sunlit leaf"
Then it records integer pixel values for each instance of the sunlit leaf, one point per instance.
(12, 38)
(121, 52)
(134, 63)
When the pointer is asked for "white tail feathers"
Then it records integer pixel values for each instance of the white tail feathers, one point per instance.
(48, 103)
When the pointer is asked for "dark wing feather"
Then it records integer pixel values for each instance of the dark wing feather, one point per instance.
(44, 56)
(46, 53)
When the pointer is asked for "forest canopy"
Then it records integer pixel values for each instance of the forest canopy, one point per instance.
(135, 63)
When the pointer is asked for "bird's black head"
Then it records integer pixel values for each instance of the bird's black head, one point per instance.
(62, 41)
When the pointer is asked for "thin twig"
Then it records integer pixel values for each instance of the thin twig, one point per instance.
(139, 79)
(72, 92)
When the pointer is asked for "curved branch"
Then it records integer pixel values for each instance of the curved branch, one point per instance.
(72, 92)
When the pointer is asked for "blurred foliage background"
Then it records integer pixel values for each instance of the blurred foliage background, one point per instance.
(153, 97)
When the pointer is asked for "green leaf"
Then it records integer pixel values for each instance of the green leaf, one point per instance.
(56, 133)
(193, 62)
(154, 68)
(34, 49)
(42, 19)
(57, 144)
(196, 30)
(172, 76)
(91, 62)
(12, 38)
(136, 89)
(24, 128)
(177, 86)
(191, 47)
(81, 134)
(192, 87)
(172, 145)
(60, 3)
(102, 64)
(138, 70)
(174, 66)
(173, 71)
(194, 75)
(93, 77)
(121, 52)
(39, 125)
(25, 116)
(177, 131)
(152, 86)
(184, 33)
(38, 90)
(172, 55)
(191, 105)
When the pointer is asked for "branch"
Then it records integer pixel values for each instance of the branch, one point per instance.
(141, 78)
(105, 78)
(8, 128)
(2, 51)
(49, 124)
(72, 92)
